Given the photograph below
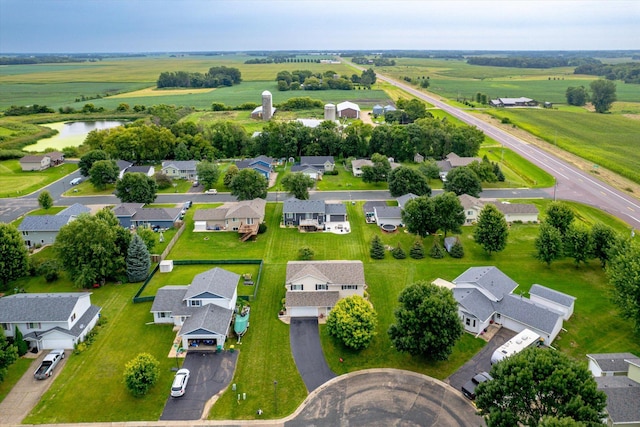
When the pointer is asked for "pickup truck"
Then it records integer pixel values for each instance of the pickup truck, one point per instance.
(45, 370)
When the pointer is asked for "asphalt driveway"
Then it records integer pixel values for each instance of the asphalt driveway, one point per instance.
(210, 374)
(307, 352)
(481, 361)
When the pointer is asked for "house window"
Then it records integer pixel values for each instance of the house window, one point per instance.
(25, 233)
(6, 326)
(234, 219)
(474, 323)
(468, 322)
(33, 325)
(308, 215)
(322, 287)
(249, 221)
(469, 213)
(297, 287)
(162, 314)
(349, 287)
(288, 215)
(195, 303)
(73, 317)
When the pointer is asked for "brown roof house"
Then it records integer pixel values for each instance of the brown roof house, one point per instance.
(243, 217)
(314, 287)
(524, 212)
(35, 163)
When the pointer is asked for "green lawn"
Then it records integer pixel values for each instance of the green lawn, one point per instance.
(15, 372)
(265, 354)
(14, 182)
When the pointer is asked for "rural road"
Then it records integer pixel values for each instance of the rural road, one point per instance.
(571, 182)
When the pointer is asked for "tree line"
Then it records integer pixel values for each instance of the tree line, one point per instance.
(519, 61)
(215, 77)
(307, 80)
(378, 61)
(628, 72)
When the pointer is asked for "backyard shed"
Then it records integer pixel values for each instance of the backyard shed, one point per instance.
(166, 266)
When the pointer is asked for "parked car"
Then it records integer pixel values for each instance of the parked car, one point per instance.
(211, 191)
(179, 386)
(196, 183)
(75, 181)
(45, 370)
(469, 388)
(187, 204)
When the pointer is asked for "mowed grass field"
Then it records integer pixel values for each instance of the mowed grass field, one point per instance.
(16, 183)
(265, 354)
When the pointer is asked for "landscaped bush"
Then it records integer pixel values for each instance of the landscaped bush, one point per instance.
(437, 251)
(417, 251)
(398, 252)
(457, 251)
(305, 253)
(50, 269)
(333, 172)
(262, 228)
(377, 248)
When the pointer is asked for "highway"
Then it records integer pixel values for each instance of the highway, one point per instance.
(571, 182)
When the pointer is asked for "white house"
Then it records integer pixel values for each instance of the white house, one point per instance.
(314, 287)
(203, 310)
(485, 296)
(391, 215)
(524, 212)
(49, 320)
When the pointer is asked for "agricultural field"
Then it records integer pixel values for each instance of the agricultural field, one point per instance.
(265, 351)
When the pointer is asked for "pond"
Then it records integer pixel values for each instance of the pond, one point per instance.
(70, 134)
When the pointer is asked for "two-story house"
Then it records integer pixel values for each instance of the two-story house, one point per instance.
(261, 164)
(312, 215)
(181, 169)
(49, 320)
(43, 229)
(314, 287)
(203, 310)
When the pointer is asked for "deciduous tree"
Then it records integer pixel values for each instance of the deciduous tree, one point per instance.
(560, 216)
(298, 184)
(353, 322)
(13, 255)
(492, 230)
(427, 322)
(538, 382)
(136, 188)
(380, 170)
(548, 244)
(208, 174)
(249, 184)
(578, 244)
(45, 200)
(8, 354)
(229, 174)
(577, 96)
(141, 374)
(623, 272)
(87, 161)
(420, 217)
(404, 180)
(103, 172)
(603, 239)
(603, 95)
(463, 180)
(448, 212)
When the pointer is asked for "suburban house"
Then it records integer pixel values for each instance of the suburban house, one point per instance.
(314, 287)
(485, 296)
(49, 320)
(123, 165)
(390, 215)
(135, 215)
(57, 158)
(308, 170)
(325, 163)
(452, 161)
(402, 200)
(348, 110)
(524, 212)
(147, 170)
(244, 217)
(203, 310)
(513, 102)
(618, 376)
(35, 163)
(262, 164)
(418, 158)
(180, 169)
(312, 215)
(358, 164)
(43, 229)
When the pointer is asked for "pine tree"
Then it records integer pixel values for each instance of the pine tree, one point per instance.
(20, 343)
(417, 251)
(398, 252)
(457, 251)
(138, 260)
(377, 248)
(437, 251)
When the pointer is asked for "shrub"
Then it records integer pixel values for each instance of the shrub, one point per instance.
(398, 252)
(141, 374)
(262, 228)
(505, 120)
(377, 248)
(417, 251)
(437, 251)
(305, 253)
(50, 269)
(457, 251)
(333, 172)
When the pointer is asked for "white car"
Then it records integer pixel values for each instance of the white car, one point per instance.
(211, 191)
(180, 381)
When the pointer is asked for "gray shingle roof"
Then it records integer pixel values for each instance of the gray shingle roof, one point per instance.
(127, 209)
(215, 214)
(43, 222)
(335, 209)
(139, 169)
(552, 295)
(294, 205)
(388, 212)
(42, 307)
(338, 272)
(312, 299)
(157, 214)
(74, 210)
(489, 278)
(211, 318)
(316, 160)
(186, 165)
(123, 164)
(528, 313)
(516, 208)
(623, 397)
(304, 168)
(612, 362)
(402, 200)
(216, 281)
(474, 302)
(168, 298)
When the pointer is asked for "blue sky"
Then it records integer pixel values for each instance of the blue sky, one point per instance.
(223, 25)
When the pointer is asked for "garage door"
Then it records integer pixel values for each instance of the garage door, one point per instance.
(53, 343)
(303, 311)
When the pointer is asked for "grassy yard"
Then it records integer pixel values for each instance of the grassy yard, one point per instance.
(14, 182)
(265, 354)
(15, 372)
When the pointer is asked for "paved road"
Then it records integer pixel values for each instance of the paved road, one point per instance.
(307, 352)
(572, 183)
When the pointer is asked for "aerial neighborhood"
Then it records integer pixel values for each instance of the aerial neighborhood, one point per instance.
(287, 248)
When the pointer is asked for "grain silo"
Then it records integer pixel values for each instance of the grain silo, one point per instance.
(267, 105)
(330, 112)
